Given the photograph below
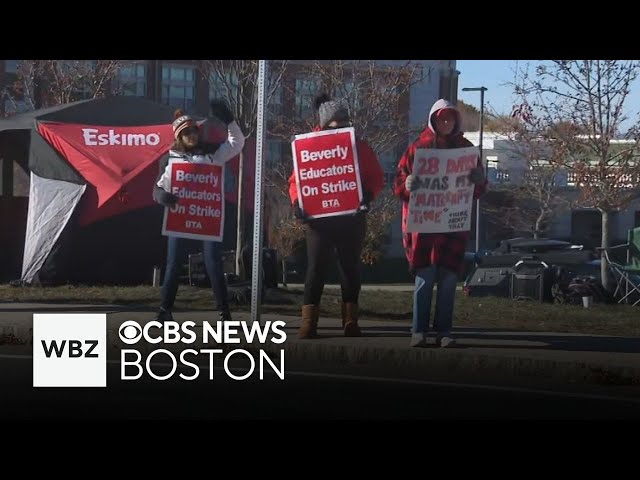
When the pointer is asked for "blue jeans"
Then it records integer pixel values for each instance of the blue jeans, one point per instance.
(177, 256)
(423, 293)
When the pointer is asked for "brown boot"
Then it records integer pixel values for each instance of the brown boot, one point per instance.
(350, 320)
(309, 326)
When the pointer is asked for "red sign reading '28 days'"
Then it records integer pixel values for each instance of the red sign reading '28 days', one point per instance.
(327, 173)
(199, 213)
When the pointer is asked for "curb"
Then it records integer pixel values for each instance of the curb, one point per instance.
(423, 362)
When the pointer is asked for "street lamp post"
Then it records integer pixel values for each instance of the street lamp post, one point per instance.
(486, 167)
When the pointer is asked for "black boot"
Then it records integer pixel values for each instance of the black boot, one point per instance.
(164, 315)
(225, 315)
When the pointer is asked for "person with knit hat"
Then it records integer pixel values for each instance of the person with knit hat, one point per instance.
(434, 257)
(343, 235)
(189, 146)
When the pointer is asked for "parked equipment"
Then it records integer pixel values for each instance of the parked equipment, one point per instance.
(494, 272)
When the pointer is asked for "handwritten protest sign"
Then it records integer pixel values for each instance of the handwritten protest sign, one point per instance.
(327, 172)
(444, 201)
(199, 213)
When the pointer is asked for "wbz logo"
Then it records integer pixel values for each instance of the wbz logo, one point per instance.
(69, 350)
(74, 349)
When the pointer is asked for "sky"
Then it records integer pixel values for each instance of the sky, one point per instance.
(493, 74)
(487, 73)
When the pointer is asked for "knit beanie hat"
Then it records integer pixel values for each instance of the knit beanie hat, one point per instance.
(330, 110)
(181, 122)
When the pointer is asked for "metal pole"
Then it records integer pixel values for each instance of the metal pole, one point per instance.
(240, 218)
(486, 169)
(256, 271)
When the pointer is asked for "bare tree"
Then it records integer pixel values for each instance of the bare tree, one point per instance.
(500, 123)
(375, 93)
(470, 117)
(45, 83)
(235, 82)
(532, 184)
(580, 104)
(380, 215)
(284, 231)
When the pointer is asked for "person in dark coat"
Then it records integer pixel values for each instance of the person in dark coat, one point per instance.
(343, 234)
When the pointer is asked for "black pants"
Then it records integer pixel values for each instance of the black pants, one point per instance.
(343, 235)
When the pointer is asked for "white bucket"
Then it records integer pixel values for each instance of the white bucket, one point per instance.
(156, 276)
(587, 302)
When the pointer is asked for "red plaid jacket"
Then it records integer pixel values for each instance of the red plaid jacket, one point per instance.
(424, 249)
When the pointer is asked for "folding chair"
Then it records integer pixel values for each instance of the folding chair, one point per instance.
(627, 276)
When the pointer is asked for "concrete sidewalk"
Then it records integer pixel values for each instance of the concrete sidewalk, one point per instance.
(384, 347)
(395, 287)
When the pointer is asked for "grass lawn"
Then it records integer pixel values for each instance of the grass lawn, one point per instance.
(374, 305)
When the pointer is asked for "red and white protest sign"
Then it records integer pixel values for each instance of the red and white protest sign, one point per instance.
(199, 213)
(327, 172)
(444, 201)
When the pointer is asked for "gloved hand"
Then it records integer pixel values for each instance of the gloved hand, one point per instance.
(221, 110)
(300, 214)
(165, 198)
(476, 175)
(412, 183)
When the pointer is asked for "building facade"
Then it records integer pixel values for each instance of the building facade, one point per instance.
(181, 84)
(577, 225)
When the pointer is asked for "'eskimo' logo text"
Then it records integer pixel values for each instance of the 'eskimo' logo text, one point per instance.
(92, 137)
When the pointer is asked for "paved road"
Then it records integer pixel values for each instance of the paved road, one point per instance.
(300, 395)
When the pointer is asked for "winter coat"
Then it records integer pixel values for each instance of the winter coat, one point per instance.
(204, 153)
(425, 249)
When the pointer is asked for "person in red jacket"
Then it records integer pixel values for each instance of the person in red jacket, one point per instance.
(434, 257)
(342, 234)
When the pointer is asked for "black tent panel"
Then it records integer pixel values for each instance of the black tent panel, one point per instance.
(46, 162)
(24, 121)
(121, 246)
(113, 111)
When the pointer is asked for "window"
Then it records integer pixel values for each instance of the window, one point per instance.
(13, 107)
(10, 66)
(306, 90)
(132, 80)
(503, 175)
(219, 88)
(275, 102)
(273, 152)
(178, 86)
(79, 69)
(354, 97)
(389, 178)
(388, 162)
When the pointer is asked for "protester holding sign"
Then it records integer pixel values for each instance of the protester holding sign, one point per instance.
(435, 257)
(188, 147)
(342, 228)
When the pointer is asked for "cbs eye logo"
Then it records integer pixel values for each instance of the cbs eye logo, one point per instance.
(130, 332)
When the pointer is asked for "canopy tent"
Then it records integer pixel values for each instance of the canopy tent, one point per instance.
(91, 215)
